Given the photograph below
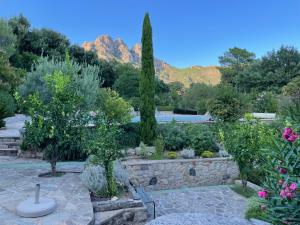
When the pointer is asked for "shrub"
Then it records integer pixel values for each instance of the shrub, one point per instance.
(207, 154)
(174, 136)
(130, 135)
(187, 153)
(245, 142)
(93, 177)
(84, 80)
(145, 151)
(103, 145)
(7, 106)
(281, 188)
(185, 111)
(227, 105)
(159, 147)
(255, 209)
(172, 155)
(200, 138)
(115, 108)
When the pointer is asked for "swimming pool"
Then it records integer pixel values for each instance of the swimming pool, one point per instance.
(177, 118)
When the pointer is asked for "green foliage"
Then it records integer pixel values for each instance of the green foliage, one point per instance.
(265, 102)
(130, 135)
(82, 78)
(247, 192)
(7, 39)
(200, 138)
(245, 141)
(232, 62)
(115, 108)
(174, 135)
(9, 76)
(272, 72)
(292, 88)
(172, 155)
(197, 96)
(207, 154)
(104, 147)
(146, 152)
(45, 42)
(255, 209)
(127, 84)
(227, 105)
(159, 147)
(53, 124)
(282, 166)
(147, 86)
(7, 106)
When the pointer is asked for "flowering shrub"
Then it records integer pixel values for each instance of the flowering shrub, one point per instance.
(282, 181)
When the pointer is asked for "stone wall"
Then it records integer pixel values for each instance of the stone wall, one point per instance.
(178, 173)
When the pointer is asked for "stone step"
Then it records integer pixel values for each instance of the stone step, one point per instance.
(136, 216)
(8, 152)
(9, 139)
(9, 144)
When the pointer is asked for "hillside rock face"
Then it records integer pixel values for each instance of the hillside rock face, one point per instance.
(109, 49)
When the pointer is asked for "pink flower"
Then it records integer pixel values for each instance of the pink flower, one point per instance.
(293, 138)
(293, 186)
(289, 135)
(282, 170)
(283, 194)
(262, 194)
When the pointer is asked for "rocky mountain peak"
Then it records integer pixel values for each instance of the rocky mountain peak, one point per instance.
(109, 49)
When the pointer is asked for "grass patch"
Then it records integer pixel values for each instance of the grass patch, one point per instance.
(246, 192)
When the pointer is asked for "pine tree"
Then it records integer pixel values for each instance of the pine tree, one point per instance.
(147, 86)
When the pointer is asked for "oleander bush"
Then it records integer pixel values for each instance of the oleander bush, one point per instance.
(281, 187)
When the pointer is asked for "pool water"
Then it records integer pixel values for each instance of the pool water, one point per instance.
(177, 118)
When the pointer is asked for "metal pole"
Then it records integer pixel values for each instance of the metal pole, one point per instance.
(37, 194)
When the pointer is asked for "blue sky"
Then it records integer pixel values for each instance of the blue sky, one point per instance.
(185, 32)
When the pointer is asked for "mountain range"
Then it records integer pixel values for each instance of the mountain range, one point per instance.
(109, 49)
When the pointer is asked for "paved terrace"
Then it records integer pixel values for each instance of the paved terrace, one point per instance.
(17, 182)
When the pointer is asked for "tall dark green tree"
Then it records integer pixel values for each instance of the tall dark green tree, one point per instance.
(147, 85)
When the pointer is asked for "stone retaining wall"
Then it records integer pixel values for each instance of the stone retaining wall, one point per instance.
(179, 173)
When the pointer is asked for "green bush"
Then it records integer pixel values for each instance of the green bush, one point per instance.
(255, 209)
(172, 155)
(7, 106)
(245, 142)
(227, 105)
(200, 138)
(159, 147)
(130, 135)
(174, 135)
(207, 154)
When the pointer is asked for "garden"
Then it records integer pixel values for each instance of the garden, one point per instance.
(81, 109)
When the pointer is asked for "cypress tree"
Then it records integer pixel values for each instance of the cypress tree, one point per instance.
(147, 86)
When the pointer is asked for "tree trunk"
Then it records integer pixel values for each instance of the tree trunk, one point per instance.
(53, 168)
(111, 183)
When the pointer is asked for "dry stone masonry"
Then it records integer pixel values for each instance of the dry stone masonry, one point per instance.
(173, 174)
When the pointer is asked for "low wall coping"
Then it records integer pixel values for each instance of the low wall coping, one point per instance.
(144, 162)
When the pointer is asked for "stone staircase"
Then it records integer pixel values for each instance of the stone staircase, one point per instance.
(9, 146)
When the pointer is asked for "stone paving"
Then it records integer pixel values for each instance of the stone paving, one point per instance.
(201, 219)
(17, 181)
(218, 200)
(13, 125)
